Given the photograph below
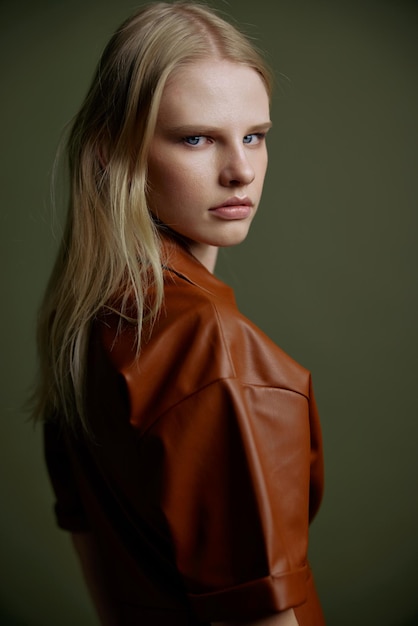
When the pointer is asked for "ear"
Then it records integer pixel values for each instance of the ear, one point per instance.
(102, 156)
(101, 150)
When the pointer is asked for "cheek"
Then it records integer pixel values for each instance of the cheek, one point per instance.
(183, 183)
(262, 166)
(162, 179)
(172, 191)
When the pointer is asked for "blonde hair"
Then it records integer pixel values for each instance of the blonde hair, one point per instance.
(110, 249)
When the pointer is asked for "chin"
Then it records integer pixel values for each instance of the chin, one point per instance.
(233, 238)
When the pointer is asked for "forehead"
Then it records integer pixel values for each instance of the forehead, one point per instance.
(214, 92)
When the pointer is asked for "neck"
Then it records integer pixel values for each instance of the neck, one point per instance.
(206, 254)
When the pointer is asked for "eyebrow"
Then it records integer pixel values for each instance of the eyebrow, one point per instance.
(189, 129)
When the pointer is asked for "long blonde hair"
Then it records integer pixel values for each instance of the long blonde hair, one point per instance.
(110, 246)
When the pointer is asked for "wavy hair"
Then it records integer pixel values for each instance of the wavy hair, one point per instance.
(110, 248)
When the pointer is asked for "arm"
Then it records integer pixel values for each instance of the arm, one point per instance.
(285, 618)
(85, 546)
(86, 549)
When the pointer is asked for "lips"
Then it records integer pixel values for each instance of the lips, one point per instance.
(236, 201)
(233, 208)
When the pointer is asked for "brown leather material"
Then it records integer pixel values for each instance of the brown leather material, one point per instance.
(207, 461)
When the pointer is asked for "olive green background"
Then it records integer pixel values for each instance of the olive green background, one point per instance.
(328, 271)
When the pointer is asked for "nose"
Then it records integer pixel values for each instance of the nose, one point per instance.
(236, 170)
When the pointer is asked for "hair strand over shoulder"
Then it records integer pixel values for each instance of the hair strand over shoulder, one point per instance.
(110, 251)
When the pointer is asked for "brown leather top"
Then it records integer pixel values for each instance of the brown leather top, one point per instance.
(206, 462)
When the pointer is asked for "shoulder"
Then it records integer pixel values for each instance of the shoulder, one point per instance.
(257, 359)
(204, 328)
(200, 338)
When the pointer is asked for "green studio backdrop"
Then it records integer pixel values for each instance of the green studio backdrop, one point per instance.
(328, 271)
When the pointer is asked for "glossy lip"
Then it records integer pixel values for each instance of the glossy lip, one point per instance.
(234, 202)
(233, 209)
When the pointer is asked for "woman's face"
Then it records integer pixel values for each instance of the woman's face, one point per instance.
(208, 156)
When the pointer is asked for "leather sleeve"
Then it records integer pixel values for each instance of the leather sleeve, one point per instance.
(231, 478)
(69, 510)
(317, 457)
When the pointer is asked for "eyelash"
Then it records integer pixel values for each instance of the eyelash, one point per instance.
(186, 139)
(258, 136)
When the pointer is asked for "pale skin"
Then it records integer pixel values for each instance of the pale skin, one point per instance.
(207, 163)
(209, 150)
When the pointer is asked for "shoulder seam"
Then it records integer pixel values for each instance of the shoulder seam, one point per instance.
(224, 341)
(214, 382)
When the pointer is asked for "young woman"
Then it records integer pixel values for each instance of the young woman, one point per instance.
(183, 445)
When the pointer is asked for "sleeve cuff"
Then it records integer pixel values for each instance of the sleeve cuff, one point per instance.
(254, 599)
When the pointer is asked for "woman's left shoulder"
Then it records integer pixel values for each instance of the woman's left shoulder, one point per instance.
(257, 359)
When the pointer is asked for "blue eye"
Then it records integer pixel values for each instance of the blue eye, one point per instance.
(194, 140)
(253, 138)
